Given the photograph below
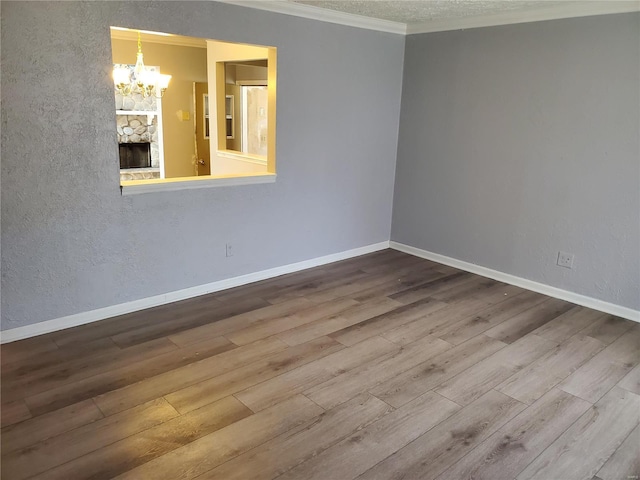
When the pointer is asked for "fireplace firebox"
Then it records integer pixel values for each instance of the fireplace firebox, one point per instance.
(135, 155)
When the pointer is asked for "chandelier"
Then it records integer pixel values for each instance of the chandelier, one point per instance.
(139, 79)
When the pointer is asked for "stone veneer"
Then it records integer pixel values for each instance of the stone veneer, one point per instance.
(136, 101)
(139, 174)
(137, 129)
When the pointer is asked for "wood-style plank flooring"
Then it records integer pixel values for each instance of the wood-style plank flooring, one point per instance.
(384, 366)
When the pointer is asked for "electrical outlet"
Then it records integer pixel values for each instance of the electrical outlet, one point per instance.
(565, 260)
(229, 250)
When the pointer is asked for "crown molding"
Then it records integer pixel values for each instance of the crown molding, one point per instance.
(551, 12)
(322, 14)
(146, 36)
(569, 9)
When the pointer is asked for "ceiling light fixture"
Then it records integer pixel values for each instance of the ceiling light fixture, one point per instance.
(139, 79)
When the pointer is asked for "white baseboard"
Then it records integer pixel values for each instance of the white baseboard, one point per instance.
(114, 310)
(572, 297)
(83, 318)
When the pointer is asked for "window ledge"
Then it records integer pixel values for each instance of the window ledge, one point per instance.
(137, 187)
(245, 157)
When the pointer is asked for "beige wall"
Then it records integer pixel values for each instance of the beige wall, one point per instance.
(231, 166)
(250, 72)
(186, 65)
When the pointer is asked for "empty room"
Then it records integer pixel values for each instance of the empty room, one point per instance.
(290, 239)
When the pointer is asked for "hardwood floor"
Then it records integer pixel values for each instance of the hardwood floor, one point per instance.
(384, 366)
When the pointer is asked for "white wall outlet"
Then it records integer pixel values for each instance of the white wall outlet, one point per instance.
(565, 260)
(229, 250)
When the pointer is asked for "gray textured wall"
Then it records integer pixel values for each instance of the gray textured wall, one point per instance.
(519, 141)
(71, 243)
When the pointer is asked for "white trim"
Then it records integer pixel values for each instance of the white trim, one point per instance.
(137, 187)
(160, 132)
(148, 113)
(548, 12)
(244, 127)
(322, 14)
(551, 12)
(107, 312)
(572, 297)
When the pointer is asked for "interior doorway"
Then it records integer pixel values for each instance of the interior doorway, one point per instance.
(202, 127)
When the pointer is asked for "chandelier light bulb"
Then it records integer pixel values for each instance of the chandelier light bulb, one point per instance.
(121, 76)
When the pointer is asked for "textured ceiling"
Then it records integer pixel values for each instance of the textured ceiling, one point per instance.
(421, 11)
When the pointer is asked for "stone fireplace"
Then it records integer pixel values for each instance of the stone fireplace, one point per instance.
(137, 129)
(138, 137)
